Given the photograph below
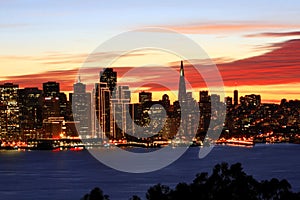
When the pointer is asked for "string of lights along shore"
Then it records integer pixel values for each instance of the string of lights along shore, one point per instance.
(31, 113)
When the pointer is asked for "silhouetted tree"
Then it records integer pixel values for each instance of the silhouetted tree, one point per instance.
(182, 191)
(161, 192)
(134, 197)
(96, 194)
(274, 189)
(224, 183)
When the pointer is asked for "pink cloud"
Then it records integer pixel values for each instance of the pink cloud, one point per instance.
(235, 26)
(279, 66)
(275, 34)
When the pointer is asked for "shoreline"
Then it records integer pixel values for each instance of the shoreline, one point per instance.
(86, 147)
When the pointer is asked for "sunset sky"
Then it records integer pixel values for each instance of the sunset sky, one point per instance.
(255, 44)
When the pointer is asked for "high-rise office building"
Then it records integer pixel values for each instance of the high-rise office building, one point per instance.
(51, 101)
(215, 98)
(185, 101)
(204, 97)
(145, 96)
(64, 107)
(81, 106)
(121, 119)
(30, 104)
(51, 89)
(205, 110)
(236, 97)
(51, 107)
(165, 102)
(10, 122)
(182, 86)
(55, 103)
(79, 88)
(192, 116)
(123, 93)
(102, 107)
(228, 101)
(109, 76)
(252, 100)
(57, 127)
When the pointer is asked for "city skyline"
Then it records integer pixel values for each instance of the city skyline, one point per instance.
(32, 115)
(162, 94)
(157, 97)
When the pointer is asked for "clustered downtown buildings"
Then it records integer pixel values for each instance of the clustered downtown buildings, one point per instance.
(31, 113)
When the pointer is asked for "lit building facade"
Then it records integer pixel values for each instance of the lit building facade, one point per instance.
(122, 122)
(9, 113)
(251, 100)
(205, 111)
(57, 127)
(51, 102)
(103, 124)
(30, 105)
(145, 97)
(81, 106)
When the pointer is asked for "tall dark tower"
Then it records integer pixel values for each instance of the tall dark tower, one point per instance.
(51, 89)
(30, 105)
(52, 102)
(182, 87)
(236, 97)
(109, 76)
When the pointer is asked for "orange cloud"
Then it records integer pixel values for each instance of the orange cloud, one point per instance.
(275, 34)
(66, 79)
(59, 58)
(278, 68)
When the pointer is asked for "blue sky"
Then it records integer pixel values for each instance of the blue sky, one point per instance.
(50, 25)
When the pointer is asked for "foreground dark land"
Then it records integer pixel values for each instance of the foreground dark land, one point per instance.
(225, 182)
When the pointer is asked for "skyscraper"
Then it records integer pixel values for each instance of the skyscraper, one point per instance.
(228, 101)
(51, 89)
(253, 100)
(10, 123)
(103, 114)
(81, 106)
(182, 86)
(145, 96)
(204, 97)
(215, 98)
(104, 91)
(185, 108)
(235, 97)
(205, 110)
(63, 106)
(120, 112)
(79, 87)
(109, 76)
(165, 101)
(30, 103)
(51, 102)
